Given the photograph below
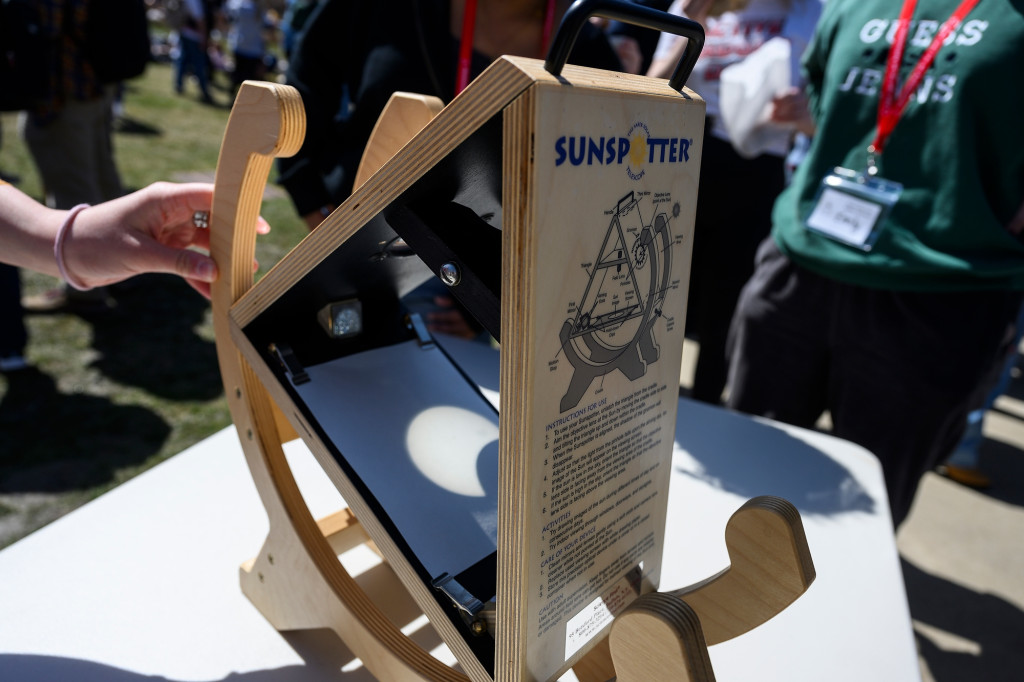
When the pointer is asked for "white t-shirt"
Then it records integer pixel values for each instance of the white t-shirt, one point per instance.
(731, 36)
(245, 37)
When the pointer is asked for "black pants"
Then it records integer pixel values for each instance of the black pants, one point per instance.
(13, 336)
(734, 207)
(898, 371)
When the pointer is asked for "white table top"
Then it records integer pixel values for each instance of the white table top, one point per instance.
(142, 583)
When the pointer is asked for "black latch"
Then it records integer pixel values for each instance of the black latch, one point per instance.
(289, 363)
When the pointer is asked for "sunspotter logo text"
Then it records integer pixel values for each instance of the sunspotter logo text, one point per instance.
(634, 150)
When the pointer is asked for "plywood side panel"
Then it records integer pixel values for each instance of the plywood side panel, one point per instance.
(595, 267)
(517, 250)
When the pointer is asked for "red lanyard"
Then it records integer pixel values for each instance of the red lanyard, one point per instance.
(891, 105)
(469, 28)
(466, 46)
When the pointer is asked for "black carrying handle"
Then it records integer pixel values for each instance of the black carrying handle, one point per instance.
(581, 11)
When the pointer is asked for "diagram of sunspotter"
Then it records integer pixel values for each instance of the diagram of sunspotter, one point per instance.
(613, 325)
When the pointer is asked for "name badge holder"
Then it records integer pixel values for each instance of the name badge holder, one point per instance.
(851, 207)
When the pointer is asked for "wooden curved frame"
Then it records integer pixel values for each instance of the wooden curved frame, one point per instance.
(297, 580)
(268, 121)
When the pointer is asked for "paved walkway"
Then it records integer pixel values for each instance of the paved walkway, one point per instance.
(963, 561)
(963, 557)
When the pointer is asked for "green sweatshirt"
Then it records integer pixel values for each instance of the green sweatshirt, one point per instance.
(958, 149)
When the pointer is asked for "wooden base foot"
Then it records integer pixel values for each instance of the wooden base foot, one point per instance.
(770, 567)
(658, 637)
(284, 584)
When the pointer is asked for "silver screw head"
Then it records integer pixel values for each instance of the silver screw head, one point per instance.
(450, 274)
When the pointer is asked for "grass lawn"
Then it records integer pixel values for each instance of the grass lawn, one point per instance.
(115, 394)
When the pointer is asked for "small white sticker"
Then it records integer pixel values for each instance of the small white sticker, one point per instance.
(589, 622)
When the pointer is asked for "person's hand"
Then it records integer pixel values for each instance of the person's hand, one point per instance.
(150, 230)
(792, 108)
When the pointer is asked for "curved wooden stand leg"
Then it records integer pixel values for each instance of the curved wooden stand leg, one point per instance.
(297, 580)
(770, 566)
(658, 637)
(403, 116)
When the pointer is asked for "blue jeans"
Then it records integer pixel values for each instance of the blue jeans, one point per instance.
(191, 59)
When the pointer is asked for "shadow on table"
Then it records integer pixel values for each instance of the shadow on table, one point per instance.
(326, 659)
(723, 444)
(988, 630)
(57, 669)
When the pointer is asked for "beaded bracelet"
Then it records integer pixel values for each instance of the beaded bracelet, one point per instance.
(58, 247)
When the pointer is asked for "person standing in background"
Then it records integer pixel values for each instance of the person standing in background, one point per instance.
(736, 194)
(246, 26)
(192, 41)
(293, 23)
(889, 290)
(68, 132)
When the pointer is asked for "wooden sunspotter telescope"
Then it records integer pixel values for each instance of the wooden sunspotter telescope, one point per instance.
(556, 203)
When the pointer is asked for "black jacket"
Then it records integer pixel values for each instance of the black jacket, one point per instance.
(352, 56)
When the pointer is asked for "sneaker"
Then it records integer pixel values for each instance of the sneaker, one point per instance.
(972, 478)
